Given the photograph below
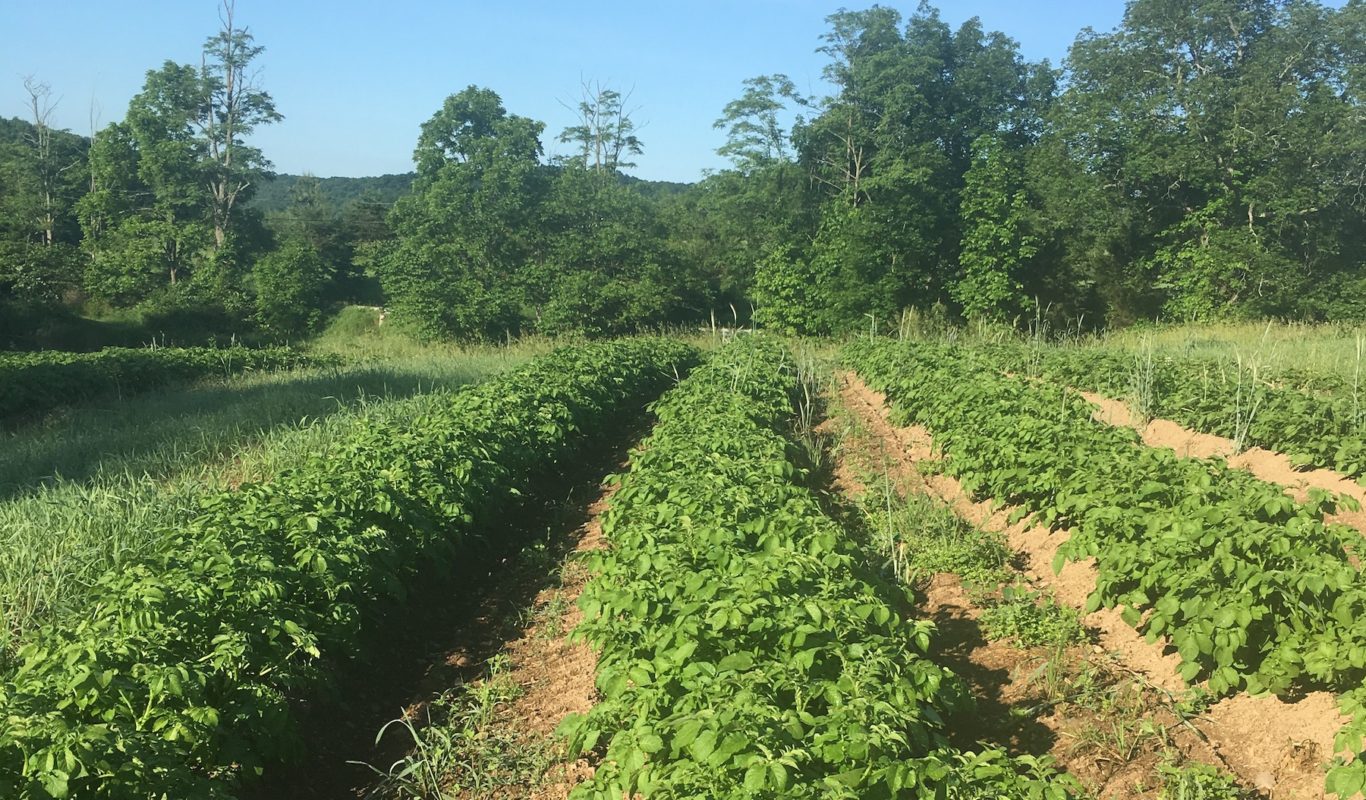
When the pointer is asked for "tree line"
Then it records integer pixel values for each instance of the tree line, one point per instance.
(1204, 160)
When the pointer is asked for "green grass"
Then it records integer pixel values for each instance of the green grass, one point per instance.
(90, 488)
(1326, 349)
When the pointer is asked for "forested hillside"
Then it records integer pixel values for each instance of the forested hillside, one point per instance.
(274, 193)
(1205, 160)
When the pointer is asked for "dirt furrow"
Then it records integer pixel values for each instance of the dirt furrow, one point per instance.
(1277, 746)
(1266, 465)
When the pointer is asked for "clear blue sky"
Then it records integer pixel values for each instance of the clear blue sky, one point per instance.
(355, 79)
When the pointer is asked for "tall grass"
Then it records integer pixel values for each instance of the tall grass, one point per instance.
(1276, 346)
(92, 488)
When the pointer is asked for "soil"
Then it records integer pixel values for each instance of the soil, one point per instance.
(556, 674)
(1266, 465)
(1277, 746)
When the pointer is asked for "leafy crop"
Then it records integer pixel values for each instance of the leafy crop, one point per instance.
(32, 384)
(745, 649)
(1314, 421)
(183, 675)
(1253, 590)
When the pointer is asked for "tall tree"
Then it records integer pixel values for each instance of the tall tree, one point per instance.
(1228, 145)
(234, 106)
(997, 243)
(466, 233)
(606, 134)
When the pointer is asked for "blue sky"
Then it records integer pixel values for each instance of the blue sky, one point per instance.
(356, 79)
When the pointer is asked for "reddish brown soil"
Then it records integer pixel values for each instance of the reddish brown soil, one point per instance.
(1276, 746)
(1266, 465)
(556, 674)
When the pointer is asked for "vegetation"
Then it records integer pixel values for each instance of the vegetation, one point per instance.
(180, 679)
(35, 383)
(743, 649)
(1198, 162)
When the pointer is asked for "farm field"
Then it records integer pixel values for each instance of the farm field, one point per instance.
(877, 568)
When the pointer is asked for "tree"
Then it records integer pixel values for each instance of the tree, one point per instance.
(466, 232)
(55, 168)
(997, 245)
(1216, 132)
(234, 107)
(168, 180)
(755, 137)
(290, 284)
(605, 134)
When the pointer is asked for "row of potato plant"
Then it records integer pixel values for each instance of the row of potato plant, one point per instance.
(184, 677)
(32, 384)
(1253, 590)
(745, 650)
(1225, 398)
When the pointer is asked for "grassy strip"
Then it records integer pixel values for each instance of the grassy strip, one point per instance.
(1252, 589)
(745, 650)
(33, 384)
(181, 677)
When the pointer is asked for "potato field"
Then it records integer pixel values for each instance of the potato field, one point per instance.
(693, 567)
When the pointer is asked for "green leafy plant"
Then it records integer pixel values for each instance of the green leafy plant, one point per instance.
(1032, 620)
(184, 675)
(745, 650)
(1253, 590)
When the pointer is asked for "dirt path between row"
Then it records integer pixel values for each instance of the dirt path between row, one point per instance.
(1266, 465)
(556, 674)
(1276, 746)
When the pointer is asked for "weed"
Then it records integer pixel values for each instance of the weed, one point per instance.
(1193, 781)
(463, 748)
(1031, 619)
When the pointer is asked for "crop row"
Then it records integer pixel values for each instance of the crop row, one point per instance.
(183, 676)
(32, 384)
(1253, 590)
(745, 649)
(1319, 429)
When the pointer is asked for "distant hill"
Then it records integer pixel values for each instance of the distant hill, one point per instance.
(274, 194)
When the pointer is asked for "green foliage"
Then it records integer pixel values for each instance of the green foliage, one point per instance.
(184, 675)
(1199, 782)
(275, 193)
(37, 274)
(463, 234)
(1032, 620)
(290, 283)
(32, 384)
(997, 246)
(1316, 421)
(1254, 590)
(1207, 139)
(744, 650)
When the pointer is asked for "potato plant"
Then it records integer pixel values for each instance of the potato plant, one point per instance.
(184, 675)
(1317, 422)
(32, 384)
(1253, 590)
(745, 651)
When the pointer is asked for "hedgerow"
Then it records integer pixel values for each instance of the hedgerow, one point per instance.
(32, 384)
(744, 650)
(183, 676)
